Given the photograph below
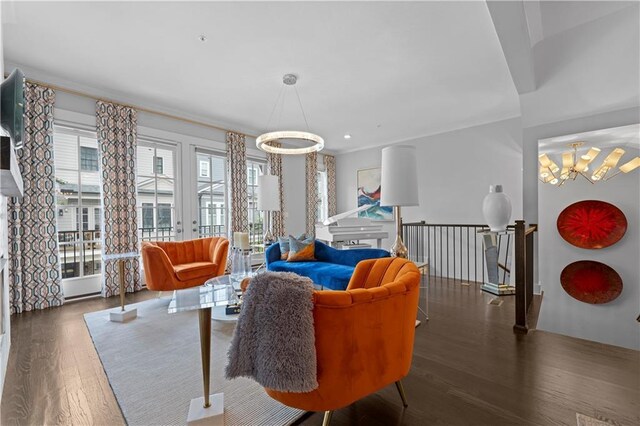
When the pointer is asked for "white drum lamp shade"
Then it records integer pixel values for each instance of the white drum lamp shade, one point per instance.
(268, 193)
(399, 180)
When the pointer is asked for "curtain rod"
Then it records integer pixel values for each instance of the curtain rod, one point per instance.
(137, 108)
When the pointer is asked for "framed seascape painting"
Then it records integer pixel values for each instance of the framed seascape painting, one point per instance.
(369, 194)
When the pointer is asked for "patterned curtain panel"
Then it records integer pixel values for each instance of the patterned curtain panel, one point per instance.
(237, 172)
(117, 138)
(311, 170)
(330, 165)
(274, 167)
(34, 271)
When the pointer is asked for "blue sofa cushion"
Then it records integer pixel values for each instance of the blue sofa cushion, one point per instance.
(328, 275)
(332, 269)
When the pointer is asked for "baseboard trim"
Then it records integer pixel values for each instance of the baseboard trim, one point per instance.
(537, 288)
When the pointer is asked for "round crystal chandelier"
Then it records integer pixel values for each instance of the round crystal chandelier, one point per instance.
(263, 141)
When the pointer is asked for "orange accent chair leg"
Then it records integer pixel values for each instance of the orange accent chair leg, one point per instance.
(401, 392)
(327, 418)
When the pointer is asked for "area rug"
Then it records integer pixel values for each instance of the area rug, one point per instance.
(584, 420)
(153, 366)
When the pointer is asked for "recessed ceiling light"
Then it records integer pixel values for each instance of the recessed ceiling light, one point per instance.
(202, 38)
(347, 136)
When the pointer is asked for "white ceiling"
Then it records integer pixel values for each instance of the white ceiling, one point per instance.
(560, 16)
(616, 137)
(383, 72)
(546, 19)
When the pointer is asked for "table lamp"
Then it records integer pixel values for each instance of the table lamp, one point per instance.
(268, 201)
(399, 186)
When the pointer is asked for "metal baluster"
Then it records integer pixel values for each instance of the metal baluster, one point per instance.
(454, 252)
(460, 252)
(475, 254)
(468, 263)
(447, 253)
(440, 253)
(421, 238)
(429, 248)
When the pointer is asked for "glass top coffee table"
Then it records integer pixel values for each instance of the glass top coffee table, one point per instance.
(217, 292)
(225, 291)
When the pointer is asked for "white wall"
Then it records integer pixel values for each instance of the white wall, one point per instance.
(455, 170)
(613, 322)
(589, 69)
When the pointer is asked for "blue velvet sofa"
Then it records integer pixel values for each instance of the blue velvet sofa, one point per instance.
(332, 268)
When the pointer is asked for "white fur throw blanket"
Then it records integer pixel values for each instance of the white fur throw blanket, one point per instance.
(274, 341)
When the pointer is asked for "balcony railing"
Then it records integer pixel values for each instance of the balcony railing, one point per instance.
(74, 236)
(79, 248)
(212, 231)
(157, 233)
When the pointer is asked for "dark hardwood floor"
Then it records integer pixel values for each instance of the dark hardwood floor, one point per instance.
(468, 369)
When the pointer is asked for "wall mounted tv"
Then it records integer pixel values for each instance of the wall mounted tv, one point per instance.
(12, 106)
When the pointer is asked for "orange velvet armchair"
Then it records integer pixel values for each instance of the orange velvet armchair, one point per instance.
(363, 336)
(183, 264)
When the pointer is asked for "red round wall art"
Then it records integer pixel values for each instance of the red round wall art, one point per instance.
(591, 282)
(592, 224)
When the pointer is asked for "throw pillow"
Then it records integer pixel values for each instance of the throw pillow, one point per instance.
(284, 246)
(301, 250)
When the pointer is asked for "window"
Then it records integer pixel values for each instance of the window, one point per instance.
(96, 218)
(85, 218)
(164, 215)
(88, 159)
(211, 194)
(156, 191)
(203, 167)
(256, 217)
(158, 164)
(147, 215)
(323, 203)
(77, 194)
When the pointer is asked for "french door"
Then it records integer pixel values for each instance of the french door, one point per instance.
(159, 212)
(78, 210)
(208, 206)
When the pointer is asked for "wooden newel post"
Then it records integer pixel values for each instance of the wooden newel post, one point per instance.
(521, 278)
(529, 236)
